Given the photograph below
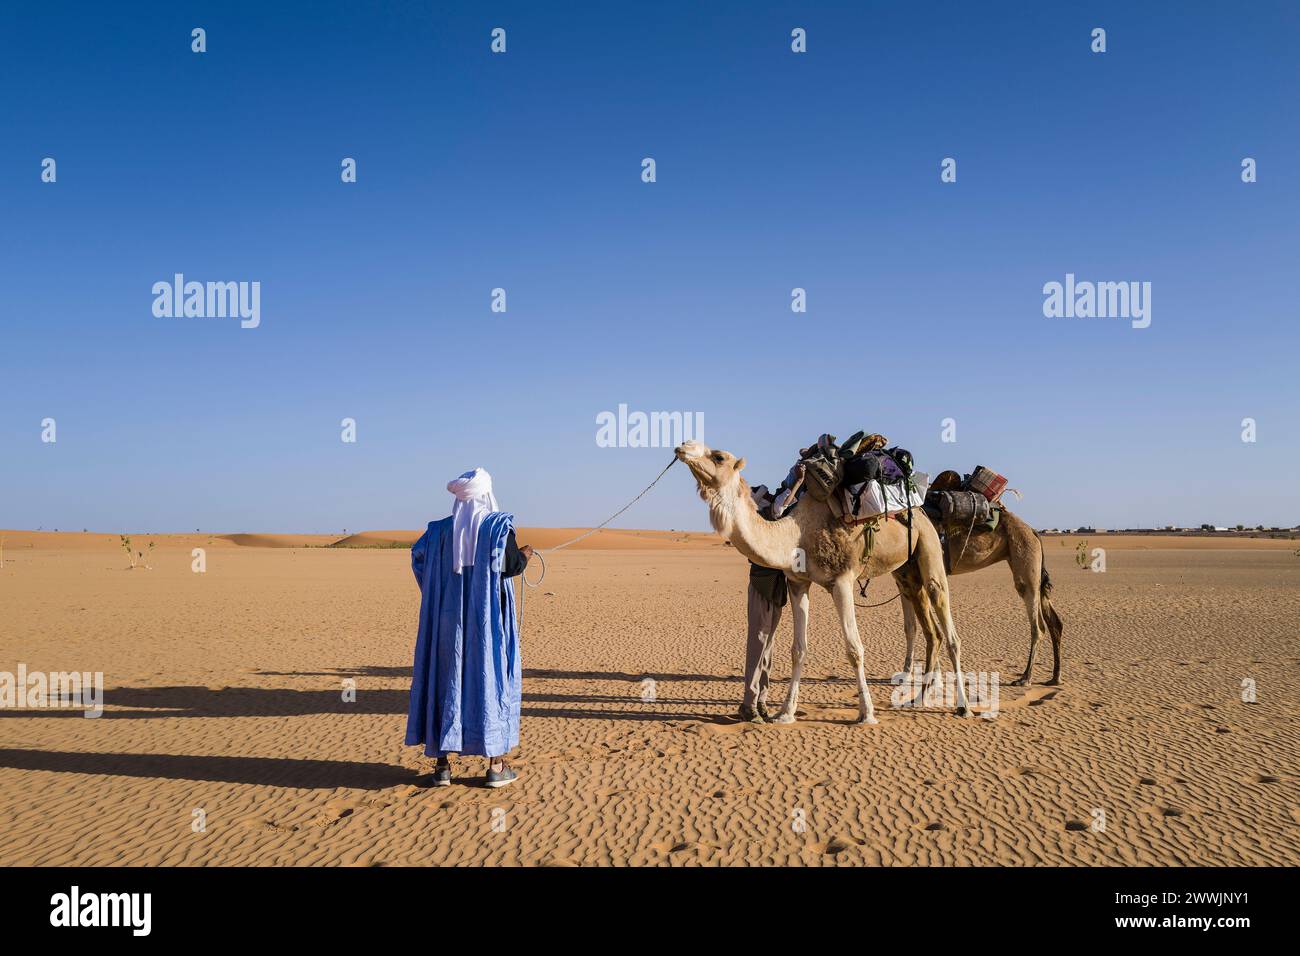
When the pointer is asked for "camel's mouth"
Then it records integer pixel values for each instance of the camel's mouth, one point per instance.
(692, 454)
(690, 449)
(695, 456)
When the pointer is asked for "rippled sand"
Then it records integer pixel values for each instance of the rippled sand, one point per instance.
(225, 695)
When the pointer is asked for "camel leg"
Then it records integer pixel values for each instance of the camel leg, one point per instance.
(928, 620)
(799, 612)
(1051, 623)
(909, 631)
(932, 640)
(1056, 646)
(938, 589)
(1029, 594)
(909, 586)
(911, 624)
(843, 596)
(936, 608)
(918, 611)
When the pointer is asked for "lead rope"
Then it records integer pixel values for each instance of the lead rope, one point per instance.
(539, 552)
(862, 589)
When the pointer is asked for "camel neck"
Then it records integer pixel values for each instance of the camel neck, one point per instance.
(771, 544)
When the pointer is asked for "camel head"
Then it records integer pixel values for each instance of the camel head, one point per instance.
(714, 470)
(717, 479)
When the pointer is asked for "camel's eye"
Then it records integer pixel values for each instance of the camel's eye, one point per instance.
(717, 457)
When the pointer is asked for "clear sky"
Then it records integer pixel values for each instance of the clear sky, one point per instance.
(522, 170)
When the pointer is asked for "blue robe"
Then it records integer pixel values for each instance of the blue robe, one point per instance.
(467, 682)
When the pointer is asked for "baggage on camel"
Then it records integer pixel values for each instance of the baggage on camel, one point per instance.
(966, 502)
(862, 478)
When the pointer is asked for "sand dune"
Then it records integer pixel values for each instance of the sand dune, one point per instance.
(224, 695)
(606, 539)
(378, 539)
(280, 540)
(18, 541)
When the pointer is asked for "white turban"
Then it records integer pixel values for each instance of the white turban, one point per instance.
(474, 500)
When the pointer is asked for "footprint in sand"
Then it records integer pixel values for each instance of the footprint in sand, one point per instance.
(1076, 826)
(835, 845)
(338, 810)
(686, 850)
(675, 847)
(264, 823)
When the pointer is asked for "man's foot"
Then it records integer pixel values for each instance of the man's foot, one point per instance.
(442, 774)
(500, 774)
(762, 712)
(749, 714)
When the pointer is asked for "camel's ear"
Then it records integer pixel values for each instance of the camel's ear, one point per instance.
(740, 464)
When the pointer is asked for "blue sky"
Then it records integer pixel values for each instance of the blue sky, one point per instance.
(522, 171)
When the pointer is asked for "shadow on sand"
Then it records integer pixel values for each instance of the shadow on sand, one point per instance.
(259, 771)
(144, 703)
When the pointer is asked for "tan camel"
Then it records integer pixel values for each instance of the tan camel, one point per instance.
(812, 546)
(1014, 542)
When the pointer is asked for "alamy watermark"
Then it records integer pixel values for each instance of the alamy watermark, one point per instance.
(1100, 300)
(30, 690)
(208, 300)
(624, 429)
(128, 910)
(913, 689)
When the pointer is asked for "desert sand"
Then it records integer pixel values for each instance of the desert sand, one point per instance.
(225, 696)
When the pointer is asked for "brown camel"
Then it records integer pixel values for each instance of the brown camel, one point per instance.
(812, 546)
(1014, 542)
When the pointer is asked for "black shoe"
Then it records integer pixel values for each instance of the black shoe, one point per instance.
(749, 714)
(442, 775)
(501, 778)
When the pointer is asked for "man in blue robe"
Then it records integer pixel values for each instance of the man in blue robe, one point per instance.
(467, 680)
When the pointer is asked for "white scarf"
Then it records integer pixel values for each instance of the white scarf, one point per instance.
(474, 500)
